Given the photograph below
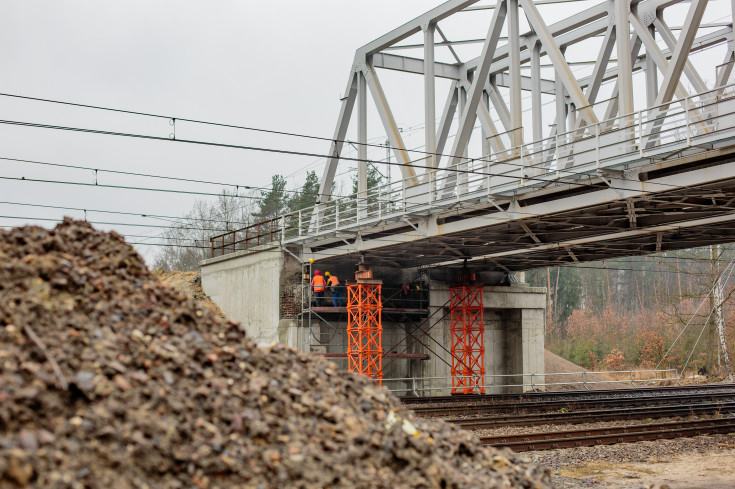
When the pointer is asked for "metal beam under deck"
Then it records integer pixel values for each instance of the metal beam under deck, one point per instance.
(679, 204)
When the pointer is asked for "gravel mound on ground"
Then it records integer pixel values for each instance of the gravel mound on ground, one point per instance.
(108, 378)
(191, 283)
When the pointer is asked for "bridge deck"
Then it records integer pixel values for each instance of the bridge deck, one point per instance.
(599, 196)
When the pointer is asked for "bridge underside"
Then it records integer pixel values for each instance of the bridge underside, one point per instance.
(690, 210)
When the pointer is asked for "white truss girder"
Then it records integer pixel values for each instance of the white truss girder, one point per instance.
(488, 91)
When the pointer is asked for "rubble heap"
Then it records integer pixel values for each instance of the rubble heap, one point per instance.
(108, 378)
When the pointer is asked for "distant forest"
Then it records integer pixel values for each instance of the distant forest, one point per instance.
(659, 310)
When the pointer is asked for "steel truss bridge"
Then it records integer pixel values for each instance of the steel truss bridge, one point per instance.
(644, 170)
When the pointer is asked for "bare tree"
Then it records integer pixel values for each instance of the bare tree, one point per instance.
(187, 243)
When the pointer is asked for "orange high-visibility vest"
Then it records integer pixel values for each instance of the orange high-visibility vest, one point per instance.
(333, 281)
(318, 283)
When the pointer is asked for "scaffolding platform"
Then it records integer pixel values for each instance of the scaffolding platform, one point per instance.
(386, 310)
(406, 356)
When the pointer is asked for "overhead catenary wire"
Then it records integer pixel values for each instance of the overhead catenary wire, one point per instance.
(306, 153)
(291, 152)
(102, 223)
(654, 258)
(217, 124)
(250, 197)
(138, 214)
(190, 120)
(729, 266)
(145, 175)
(199, 193)
(208, 247)
(601, 185)
(468, 246)
(712, 310)
(226, 125)
(127, 187)
(185, 119)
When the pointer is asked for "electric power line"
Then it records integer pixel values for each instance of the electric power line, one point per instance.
(146, 175)
(138, 214)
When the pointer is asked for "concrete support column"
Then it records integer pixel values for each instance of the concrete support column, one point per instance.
(438, 328)
(532, 337)
(514, 337)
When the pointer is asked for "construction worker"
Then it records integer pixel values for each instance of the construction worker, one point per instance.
(318, 284)
(335, 288)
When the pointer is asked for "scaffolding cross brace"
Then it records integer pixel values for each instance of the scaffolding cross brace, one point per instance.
(365, 330)
(468, 345)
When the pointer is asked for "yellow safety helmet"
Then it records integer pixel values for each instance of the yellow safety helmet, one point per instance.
(327, 274)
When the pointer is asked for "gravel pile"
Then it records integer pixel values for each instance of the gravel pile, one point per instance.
(108, 378)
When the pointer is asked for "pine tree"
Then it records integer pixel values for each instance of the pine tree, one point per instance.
(273, 202)
(306, 197)
(374, 180)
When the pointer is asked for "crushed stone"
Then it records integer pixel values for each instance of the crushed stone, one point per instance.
(109, 378)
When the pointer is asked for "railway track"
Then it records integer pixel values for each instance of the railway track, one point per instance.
(610, 435)
(593, 416)
(474, 399)
(534, 409)
(655, 399)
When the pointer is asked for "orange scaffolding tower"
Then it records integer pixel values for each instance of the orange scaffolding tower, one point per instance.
(365, 330)
(468, 346)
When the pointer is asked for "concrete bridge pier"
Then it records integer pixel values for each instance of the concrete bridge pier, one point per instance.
(514, 318)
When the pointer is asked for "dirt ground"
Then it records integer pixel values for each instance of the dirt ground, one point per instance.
(713, 469)
(554, 364)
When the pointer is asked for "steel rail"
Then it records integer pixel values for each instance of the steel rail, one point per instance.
(593, 416)
(563, 394)
(570, 404)
(610, 435)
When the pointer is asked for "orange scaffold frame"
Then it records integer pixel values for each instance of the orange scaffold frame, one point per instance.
(365, 330)
(468, 346)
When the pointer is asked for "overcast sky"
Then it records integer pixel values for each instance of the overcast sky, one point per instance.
(277, 65)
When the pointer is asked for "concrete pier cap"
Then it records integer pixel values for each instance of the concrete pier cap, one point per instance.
(264, 288)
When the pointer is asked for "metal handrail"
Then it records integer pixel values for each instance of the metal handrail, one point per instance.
(532, 384)
(265, 232)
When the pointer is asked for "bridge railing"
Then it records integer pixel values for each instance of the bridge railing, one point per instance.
(725, 75)
(563, 158)
(257, 234)
(425, 386)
